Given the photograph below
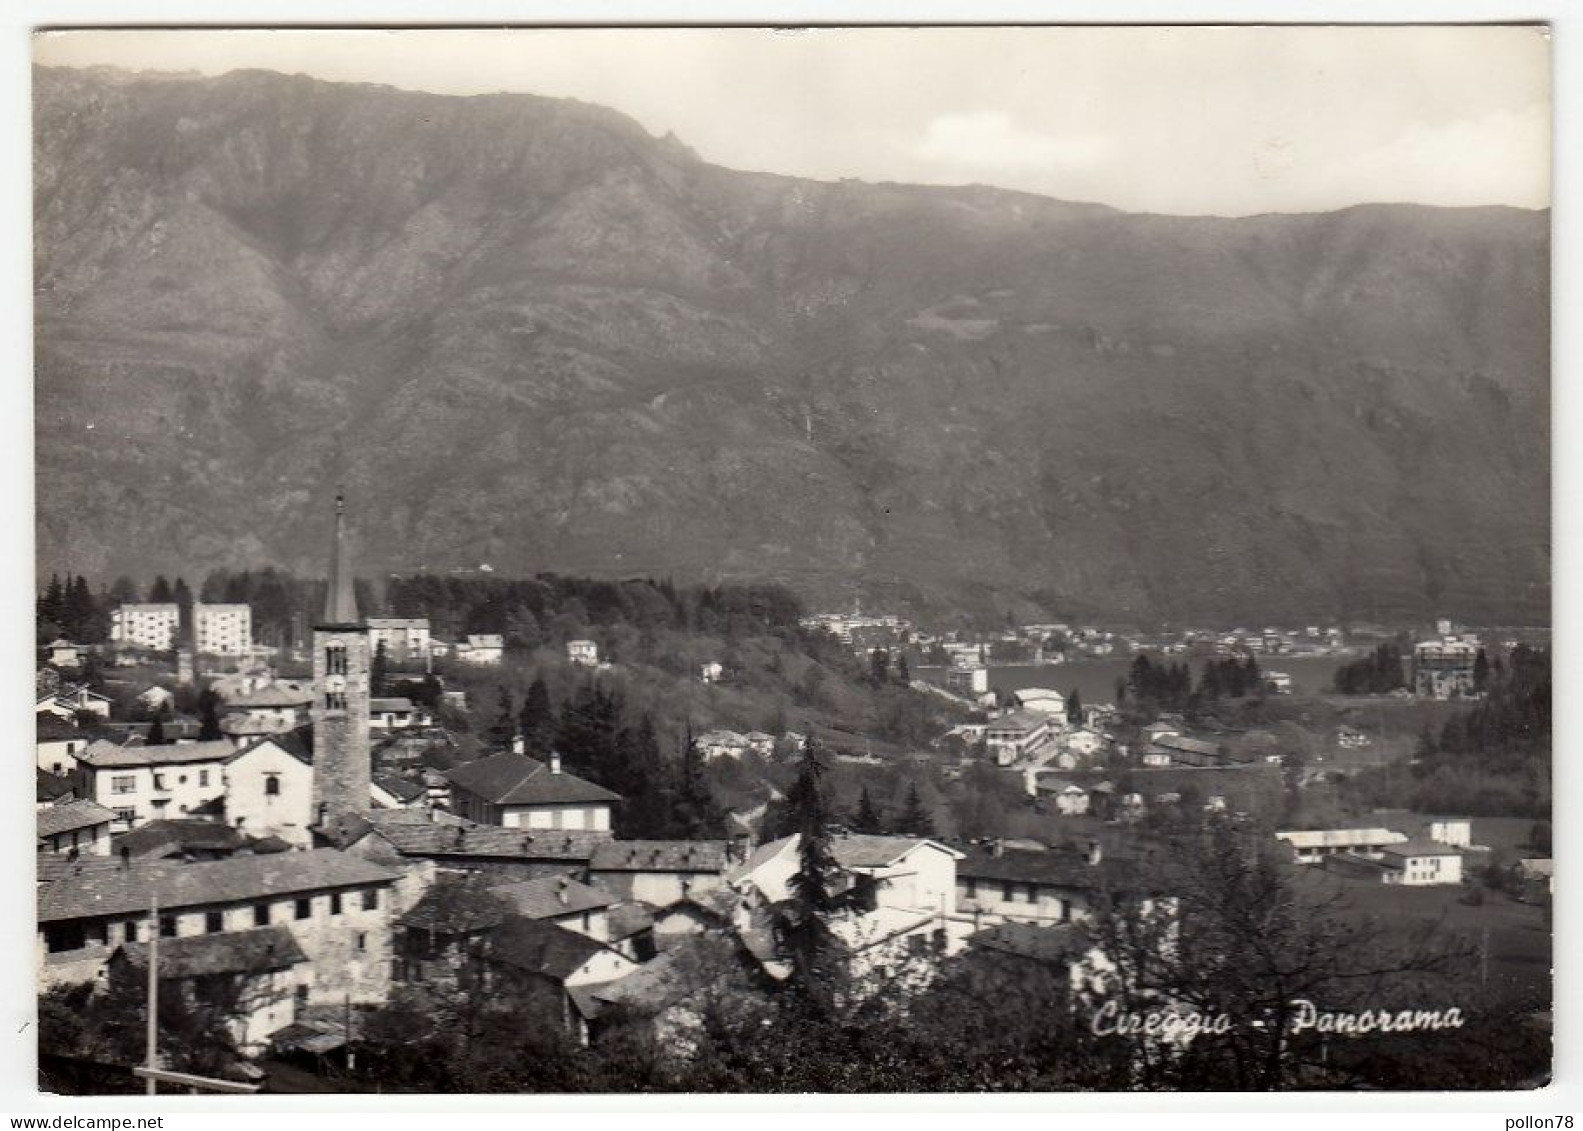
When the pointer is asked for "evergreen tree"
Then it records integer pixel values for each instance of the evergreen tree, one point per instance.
(379, 672)
(160, 593)
(867, 818)
(536, 723)
(1074, 707)
(156, 731)
(804, 936)
(504, 728)
(123, 591)
(915, 819)
(879, 667)
(209, 716)
(903, 672)
(1481, 672)
(698, 814)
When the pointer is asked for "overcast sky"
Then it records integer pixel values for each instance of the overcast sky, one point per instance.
(1229, 121)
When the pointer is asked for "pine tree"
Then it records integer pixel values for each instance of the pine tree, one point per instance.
(209, 716)
(504, 727)
(804, 935)
(536, 723)
(903, 672)
(1481, 672)
(156, 730)
(379, 672)
(1074, 707)
(698, 814)
(915, 819)
(159, 593)
(867, 818)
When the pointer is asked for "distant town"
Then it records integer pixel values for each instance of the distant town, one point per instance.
(636, 812)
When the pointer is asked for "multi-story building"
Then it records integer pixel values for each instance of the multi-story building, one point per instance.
(336, 906)
(518, 792)
(404, 638)
(222, 630)
(1444, 668)
(1016, 735)
(146, 783)
(154, 627)
(585, 652)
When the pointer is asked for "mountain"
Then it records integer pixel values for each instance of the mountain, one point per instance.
(523, 331)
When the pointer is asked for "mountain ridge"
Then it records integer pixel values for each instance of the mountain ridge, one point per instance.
(540, 337)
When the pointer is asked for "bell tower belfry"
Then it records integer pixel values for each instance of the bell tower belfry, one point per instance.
(342, 660)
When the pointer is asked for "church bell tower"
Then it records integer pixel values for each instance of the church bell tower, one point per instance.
(342, 660)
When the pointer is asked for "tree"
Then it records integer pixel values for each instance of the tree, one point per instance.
(379, 672)
(209, 715)
(867, 819)
(915, 819)
(160, 592)
(1481, 672)
(903, 671)
(1246, 936)
(1074, 707)
(504, 728)
(156, 730)
(804, 935)
(698, 814)
(879, 667)
(536, 723)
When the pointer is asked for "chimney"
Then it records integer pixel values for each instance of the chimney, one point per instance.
(555, 762)
(1095, 853)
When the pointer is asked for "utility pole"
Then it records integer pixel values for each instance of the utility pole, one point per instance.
(153, 991)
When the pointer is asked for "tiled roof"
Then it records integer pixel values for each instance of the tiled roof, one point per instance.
(550, 897)
(107, 755)
(1061, 867)
(857, 850)
(659, 856)
(202, 836)
(692, 964)
(628, 919)
(467, 839)
(126, 890)
(1420, 846)
(539, 947)
(50, 787)
(1027, 940)
(268, 696)
(516, 779)
(399, 788)
(72, 815)
(54, 728)
(1020, 720)
(229, 952)
(287, 741)
(397, 703)
(457, 907)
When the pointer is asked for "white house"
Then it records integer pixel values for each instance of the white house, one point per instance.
(584, 652)
(269, 790)
(1083, 742)
(57, 743)
(515, 791)
(1455, 831)
(481, 648)
(968, 680)
(395, 714)
(711, 672)
(1419, 863)
(404, 638)
(1069, 798)
(144, 783)
(63, 653)
(1312, 846)
(82, 827)
(658, 872)
(721, 744)
(70, 701)
(1014, 736)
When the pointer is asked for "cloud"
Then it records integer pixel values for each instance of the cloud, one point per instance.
(990, 139)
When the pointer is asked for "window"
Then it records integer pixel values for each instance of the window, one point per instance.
(214, 922)
(335, 660)
(203, 777)
(159, 781)
(167, 926)
(362, 941)
(129, 931)
(272, 785)
(371, 899)
(260, 914)
(972, 889)
(1008, 891)
(305, 908)
(335, 700)
(335, 903)
(126, 816)
(302, 995)
(123, 783)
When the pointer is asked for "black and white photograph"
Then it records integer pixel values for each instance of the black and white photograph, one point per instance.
(747, 560)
